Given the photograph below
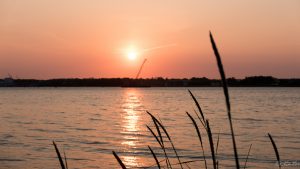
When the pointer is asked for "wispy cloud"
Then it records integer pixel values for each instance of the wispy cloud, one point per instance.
(159, 47)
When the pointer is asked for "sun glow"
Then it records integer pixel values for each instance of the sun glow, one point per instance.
(132, 55)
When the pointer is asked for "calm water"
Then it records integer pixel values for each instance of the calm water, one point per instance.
(88, 123)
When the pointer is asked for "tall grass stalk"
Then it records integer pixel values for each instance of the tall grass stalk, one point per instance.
(203, 123)
(154, 156)
(199, 136)
(218, 140)
(168, 136)
(247, 156)
(161, 146)
(154, 135)
(217, 147)
(162, 142)
(198, 105)
(225, 89)
(119, 160)
(66, 160)
(275, 149)
(211, 143)
(158, 131)
(187, 165)
(62, 165)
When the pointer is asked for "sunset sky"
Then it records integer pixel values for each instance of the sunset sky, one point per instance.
(94, 38)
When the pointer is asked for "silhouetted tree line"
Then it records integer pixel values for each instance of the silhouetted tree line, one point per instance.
(253, 81)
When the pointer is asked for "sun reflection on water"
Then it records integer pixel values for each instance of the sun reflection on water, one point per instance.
(130, 124)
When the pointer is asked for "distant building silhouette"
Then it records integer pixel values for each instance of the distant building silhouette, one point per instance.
(8, 81)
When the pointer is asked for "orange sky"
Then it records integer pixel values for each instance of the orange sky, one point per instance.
(76, 38)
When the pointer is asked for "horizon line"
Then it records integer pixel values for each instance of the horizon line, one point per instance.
(156, 77)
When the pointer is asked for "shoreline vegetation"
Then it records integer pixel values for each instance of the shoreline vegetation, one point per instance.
(202, 126)
(252, 81)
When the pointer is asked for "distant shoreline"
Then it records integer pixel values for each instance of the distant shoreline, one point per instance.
(253, 81)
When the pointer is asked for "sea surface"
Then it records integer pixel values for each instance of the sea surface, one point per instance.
(89, 123)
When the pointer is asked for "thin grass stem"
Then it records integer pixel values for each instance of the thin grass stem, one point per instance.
(225, 89)
(198, 105)
(62, 165)
(199, 136)
(211, 143)
(247, 156)
(168, 136)
(154, 156)
(275, 149)
(162, 147)
(119, 160)
(66, 162)
(218, 140)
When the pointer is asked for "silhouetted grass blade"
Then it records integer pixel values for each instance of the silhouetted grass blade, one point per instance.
(225, 88)
(218, 140)
(197, 114)
(59, 156)
(199, 136)
(158, 131)
(275, 149)
(247, 156)
(168, 136)
(119, 160)
(158, 122)
(187, 166)
(154, 156)
(217, 147)
(66, 160)
(154, 135)
(161, 141)
(161, 145)
(197, 104)
(221, 70)
(196, 127)
(211, 143)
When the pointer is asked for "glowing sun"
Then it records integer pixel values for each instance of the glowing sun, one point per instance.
(132, 55)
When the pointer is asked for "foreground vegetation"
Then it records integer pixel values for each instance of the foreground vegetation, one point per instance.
(162, 137)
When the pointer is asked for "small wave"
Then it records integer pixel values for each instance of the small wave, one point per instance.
(95, 119)
(11, 159)
(79, 159)
(23, 122)
(95, 142)
(248, 119)
(7, 136)
(47, 131)
(83, 129)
